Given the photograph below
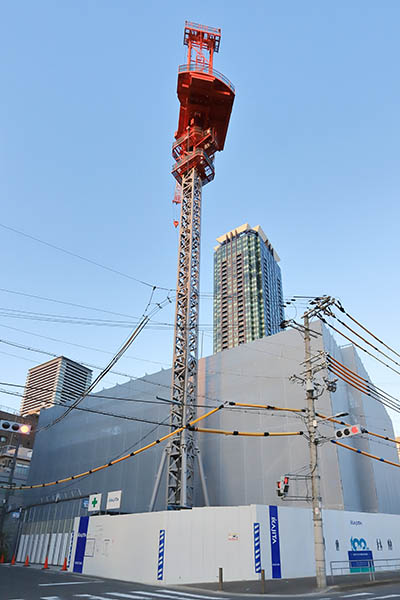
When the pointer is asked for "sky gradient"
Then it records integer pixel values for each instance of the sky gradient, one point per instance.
(88, 111)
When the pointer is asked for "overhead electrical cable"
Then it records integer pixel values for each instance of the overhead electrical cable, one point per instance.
(268, 407)
(118, 460)
(333, 360)
(363, 429)
(92, 366)
(47, 299)
(340, 307)
(357, 345)
(160, 401)
(97, 411)
(347, 379)
(384, 460)
(88, 260)
(145, 319)
(339, 371)
(46, 337)
(332, 314)
(248, 433)
(129, 375)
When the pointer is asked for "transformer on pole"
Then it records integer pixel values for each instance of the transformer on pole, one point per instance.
(206, 98)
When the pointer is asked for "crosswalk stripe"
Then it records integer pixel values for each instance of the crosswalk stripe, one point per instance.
(189, 595)
(122, 595)
(90, 596)
(174, 595)
(147, 594)
(57, 583)
(359, 594)
(388, 596)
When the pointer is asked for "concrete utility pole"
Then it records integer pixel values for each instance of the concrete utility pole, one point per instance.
(319, 548)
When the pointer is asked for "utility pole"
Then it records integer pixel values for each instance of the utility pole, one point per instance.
(319, 546)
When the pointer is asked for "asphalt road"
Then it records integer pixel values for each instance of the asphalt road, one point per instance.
(19, 583)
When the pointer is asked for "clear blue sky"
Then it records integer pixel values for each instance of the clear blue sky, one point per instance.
(88, 110)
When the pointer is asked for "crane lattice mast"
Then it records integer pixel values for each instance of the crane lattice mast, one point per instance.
(206, 98)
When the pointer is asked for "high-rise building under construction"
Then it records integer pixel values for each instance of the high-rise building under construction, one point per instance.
(248, 299)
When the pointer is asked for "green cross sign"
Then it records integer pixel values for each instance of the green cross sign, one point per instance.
(94, 502)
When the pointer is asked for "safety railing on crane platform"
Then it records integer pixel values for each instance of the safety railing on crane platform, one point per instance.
(207, 28)
(198, 68)
(199, 152)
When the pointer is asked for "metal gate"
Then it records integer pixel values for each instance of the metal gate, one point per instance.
(46, 531)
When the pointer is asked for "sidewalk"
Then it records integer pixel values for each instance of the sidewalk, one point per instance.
(304, 585)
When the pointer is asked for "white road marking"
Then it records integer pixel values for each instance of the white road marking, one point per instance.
(49, 598)
(360, 594)
(189, 595)
(71, 582)
(134, 597)
(175, 595)
(382, 597)
(90, 596)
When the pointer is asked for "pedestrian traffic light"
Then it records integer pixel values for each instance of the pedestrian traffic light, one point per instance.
(15, 427)
(282, 486)
(348, 431)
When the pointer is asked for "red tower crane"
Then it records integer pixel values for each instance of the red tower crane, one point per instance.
(206, 98)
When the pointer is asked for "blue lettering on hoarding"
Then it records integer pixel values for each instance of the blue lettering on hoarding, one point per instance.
(81, 544)
(275, 543)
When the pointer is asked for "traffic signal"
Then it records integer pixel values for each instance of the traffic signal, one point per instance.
(15, 427)
(282, 486)
(348, 431)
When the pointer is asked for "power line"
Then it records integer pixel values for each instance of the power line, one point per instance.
(46, 337)
(362, 388)
(160, 401)
(88, 260)
(247, 433)
(384, 460)
(357, 345)
(96, 411)
(47, 299)
(340, 307)
(145, 318)
(366, 381)
(363, 338)
(118, 460)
